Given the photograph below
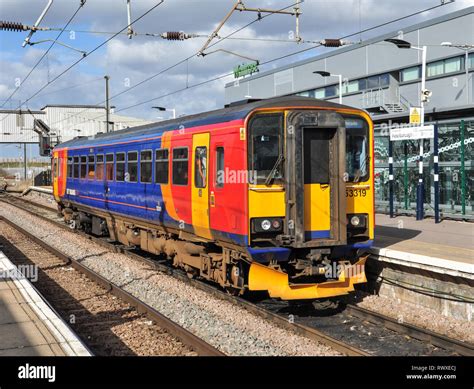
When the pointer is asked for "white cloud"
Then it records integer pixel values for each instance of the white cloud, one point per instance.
(141, 57)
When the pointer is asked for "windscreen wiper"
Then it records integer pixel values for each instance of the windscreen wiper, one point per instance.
(274, 169)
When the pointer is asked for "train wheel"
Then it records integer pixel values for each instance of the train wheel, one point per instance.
(321, 305)
(233, 291)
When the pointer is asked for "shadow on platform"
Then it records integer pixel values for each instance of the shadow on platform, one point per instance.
(387, 236)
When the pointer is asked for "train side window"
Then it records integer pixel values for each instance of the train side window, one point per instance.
(146, 163)
(180, 166)
(220, 167)
(109, 167)
(91, 167)
(69, 167)
(132, 168)
(161, 166)
(76, 168)
(200, 167)
(120, 167)
(83, 166)
(99, 168)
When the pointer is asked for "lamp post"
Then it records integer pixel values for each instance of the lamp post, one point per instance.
(402, 44)
(173, 110)
(327, 74)
(466, 49)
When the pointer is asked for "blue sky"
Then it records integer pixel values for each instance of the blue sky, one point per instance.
(129, 61)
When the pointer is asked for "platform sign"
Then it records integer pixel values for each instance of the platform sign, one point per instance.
(415, 115)
(410, 133)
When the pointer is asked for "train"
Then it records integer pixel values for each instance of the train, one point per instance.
(273, 195)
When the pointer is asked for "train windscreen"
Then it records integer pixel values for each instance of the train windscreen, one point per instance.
(357, 150)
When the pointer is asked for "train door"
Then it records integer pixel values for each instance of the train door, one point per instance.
(318, 163)
(316, 188)
(55, 173)
(200, 185)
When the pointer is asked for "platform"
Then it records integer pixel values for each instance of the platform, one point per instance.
(28, 325)
(424, 263)
(446, 247)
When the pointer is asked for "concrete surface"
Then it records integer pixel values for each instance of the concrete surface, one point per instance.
(28, 325)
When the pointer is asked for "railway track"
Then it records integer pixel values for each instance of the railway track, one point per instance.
(351, 330)
(187, 338)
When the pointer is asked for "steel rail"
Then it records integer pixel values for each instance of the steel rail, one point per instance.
(415, 332)
(188, 338)
(419, 333)
(308, 332)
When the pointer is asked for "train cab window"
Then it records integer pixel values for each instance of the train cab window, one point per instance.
(146, 163)
(180, 166)
(83, 166)
(109, 167)
(265, 145)
(200, 167)
(120, 167)
(132, 168)
(99, 168)
(357, 150)
(220, 167)
(69, 167)
(91, 167)
(161, 166)
(76, 167)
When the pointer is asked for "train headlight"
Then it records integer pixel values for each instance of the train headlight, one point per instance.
(266, 225)
(355, 220)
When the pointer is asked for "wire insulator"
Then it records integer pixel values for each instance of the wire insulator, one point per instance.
(331, 42)
(175, 36)
(12, 26)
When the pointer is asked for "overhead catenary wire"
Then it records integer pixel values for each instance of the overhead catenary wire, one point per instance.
(88, 54)
(72, 86)
(184, 60)
(156, 35)
(44, 54)
(262, 63)
(284, 56)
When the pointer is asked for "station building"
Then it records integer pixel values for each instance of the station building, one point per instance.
(386, 81)
(65, 122)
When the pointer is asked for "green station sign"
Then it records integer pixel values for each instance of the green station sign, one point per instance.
(245, 69)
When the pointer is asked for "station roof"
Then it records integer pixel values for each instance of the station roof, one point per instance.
(72, 106)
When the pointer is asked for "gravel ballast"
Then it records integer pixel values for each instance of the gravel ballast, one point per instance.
(109, 326)
(230, 328)
(419, 316)
(42, 198)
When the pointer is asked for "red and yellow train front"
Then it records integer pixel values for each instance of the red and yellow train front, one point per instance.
(311, 201)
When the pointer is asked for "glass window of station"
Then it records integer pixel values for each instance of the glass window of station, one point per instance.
(455, 180)
(412, 73)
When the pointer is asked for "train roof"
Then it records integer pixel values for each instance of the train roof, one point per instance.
(232, 112)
